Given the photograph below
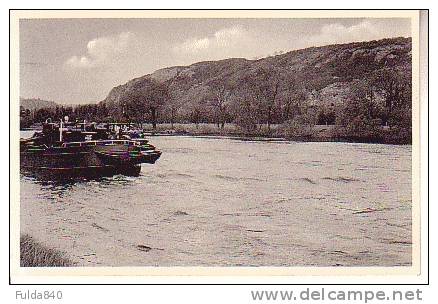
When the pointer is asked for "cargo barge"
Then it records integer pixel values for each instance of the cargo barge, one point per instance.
(65, 150)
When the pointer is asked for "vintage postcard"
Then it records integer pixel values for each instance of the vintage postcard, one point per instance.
(214, 143)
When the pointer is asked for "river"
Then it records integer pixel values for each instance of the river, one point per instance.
(227, 202)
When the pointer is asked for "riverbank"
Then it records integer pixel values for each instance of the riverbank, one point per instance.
(317, 133)
(34, 254)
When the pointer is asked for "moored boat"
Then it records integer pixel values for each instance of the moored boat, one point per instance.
(65, 150)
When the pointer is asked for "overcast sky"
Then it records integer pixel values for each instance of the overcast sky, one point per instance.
(80, 60)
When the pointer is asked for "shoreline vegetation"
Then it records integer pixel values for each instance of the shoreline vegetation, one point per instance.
(316, 133)
(35, 254)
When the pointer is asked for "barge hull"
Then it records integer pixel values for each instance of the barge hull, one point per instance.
(73, 162)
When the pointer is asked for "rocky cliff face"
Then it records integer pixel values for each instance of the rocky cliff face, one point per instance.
(326, 72)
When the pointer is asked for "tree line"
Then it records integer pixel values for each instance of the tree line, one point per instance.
(377, 105)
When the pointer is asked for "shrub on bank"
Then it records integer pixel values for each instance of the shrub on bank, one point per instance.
(33, 254)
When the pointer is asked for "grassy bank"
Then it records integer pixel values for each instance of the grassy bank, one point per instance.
(317, 133)
(275, 131)
(34, 254)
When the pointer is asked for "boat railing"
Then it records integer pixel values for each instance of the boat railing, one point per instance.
(108, 142)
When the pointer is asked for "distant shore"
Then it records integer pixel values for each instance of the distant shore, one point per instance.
(319, 133)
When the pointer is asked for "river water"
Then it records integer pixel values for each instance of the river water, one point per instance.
(225, 202)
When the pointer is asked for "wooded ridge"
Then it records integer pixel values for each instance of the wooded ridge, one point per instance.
(362, 88)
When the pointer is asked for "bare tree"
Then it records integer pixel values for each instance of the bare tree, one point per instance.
(244, 110)
(292, 98)
(145, 96)
(264, 84)
(221, 92)
(176, 88)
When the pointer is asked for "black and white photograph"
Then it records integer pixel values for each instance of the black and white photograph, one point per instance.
(229, 142)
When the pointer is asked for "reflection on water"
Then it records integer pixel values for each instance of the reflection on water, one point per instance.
(222, 202)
